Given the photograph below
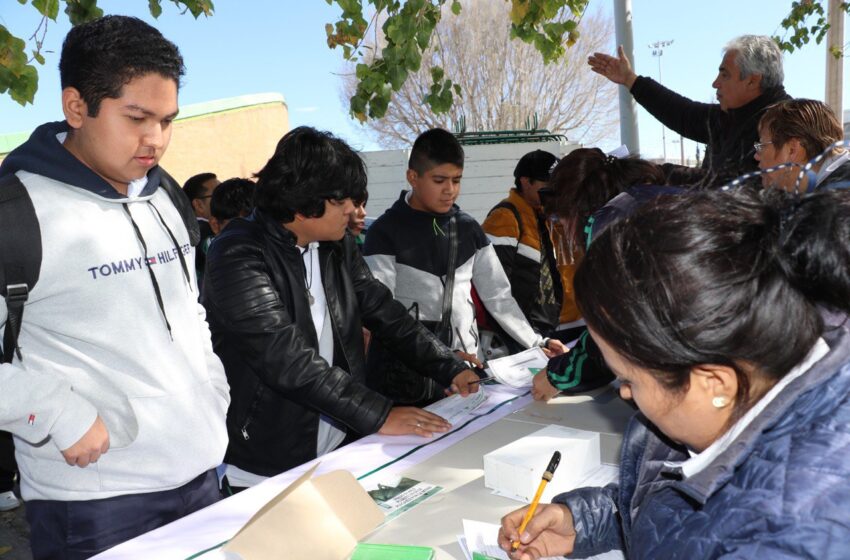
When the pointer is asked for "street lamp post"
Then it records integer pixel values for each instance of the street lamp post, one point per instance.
(658, 50)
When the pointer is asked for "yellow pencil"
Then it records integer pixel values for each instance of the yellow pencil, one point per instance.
(547, 476)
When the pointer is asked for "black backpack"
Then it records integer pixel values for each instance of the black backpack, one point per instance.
(20, 249)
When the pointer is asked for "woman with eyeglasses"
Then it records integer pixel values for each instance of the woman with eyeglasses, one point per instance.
(723, 314)
(793, 132)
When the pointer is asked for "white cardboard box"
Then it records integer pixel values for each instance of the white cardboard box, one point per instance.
(515, 470)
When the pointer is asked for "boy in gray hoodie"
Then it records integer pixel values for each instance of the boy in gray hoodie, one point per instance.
(117, 402)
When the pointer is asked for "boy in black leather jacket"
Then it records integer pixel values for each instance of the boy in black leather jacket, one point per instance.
(287, 295)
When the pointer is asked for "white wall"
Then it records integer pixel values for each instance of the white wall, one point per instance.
(487, 174)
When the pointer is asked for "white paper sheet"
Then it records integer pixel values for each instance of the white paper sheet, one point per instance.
(456, 409)
(484, 538)
(516, 370)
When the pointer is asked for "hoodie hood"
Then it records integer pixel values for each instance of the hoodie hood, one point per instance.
(402, 205)
(45, 155)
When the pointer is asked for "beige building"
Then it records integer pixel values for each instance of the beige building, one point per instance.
(231, 137)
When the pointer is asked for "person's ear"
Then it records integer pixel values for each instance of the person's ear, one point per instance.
(412, 178)
(74, 107)
(215, 225)
(796, 152)
(716, 383)
(197, 206)
(754, 82)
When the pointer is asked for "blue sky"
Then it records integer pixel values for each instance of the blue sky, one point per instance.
(280, 46)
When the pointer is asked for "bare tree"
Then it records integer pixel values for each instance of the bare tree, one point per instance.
(504, 81)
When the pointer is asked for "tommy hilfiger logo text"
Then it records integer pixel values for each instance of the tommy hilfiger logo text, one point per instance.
(136, 263)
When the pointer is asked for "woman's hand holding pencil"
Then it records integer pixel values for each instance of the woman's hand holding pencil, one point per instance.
(549, 533)
(532, 539)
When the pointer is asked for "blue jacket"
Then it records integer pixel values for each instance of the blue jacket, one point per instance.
(781, 490)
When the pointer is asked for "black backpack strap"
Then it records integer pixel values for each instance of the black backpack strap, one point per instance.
(512, 208)
(183, 205)
(20, 257)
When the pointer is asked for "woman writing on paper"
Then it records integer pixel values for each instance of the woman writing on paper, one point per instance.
(723, 316)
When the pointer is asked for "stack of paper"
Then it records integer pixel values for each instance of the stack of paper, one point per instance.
(456, 408)
(519, 369)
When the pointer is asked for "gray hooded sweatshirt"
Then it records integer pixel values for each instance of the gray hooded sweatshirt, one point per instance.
(97, 339)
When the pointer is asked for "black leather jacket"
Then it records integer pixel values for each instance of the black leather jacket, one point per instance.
(262, 330)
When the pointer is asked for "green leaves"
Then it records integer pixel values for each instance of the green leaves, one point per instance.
(550, 25)
(798, 21)
(49, 8)
(19, 79)
(81, 11)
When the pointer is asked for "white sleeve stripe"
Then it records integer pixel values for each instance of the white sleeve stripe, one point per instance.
(507, 240)
(528, 252)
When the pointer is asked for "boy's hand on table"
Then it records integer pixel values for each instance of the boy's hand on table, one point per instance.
(541, 387)
(403, 420)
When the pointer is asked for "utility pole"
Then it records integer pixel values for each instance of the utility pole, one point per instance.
(835, 65)
(658, 50)
(628, 110)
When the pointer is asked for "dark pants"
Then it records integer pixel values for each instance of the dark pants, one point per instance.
(76, 530)
(8, 467)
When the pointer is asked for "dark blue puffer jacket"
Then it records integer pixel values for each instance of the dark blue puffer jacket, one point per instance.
(780, 490)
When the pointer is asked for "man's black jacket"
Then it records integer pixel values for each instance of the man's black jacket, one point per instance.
(729, 135)
(259, 315)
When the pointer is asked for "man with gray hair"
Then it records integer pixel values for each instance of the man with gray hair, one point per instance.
(748, 81)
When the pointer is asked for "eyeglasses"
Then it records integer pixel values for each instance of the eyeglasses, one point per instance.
(759, 146)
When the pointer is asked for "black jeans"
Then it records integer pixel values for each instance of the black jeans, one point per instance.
(77, 530)
(8, 467)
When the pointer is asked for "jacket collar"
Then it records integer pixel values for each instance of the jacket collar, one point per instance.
(515, 198)
(275, 231)
(401, 205)
(795, 406)
(768, 97)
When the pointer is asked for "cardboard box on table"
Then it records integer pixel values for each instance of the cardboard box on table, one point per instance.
(515, 470)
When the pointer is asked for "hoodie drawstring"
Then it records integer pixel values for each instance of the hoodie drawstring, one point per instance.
(437, 229)
(150, 269)
(177, 247)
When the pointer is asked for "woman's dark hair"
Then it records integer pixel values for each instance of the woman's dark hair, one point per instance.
(100, 57)
(586, 178)
(308, 168)
(729, 278)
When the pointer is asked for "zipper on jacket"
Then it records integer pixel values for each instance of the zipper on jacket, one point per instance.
(251, 410)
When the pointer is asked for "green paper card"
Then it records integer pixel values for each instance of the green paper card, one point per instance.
(369, 551)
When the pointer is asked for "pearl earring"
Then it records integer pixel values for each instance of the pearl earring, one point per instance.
(719, 402)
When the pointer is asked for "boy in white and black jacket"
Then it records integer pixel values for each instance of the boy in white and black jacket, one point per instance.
(407, 248)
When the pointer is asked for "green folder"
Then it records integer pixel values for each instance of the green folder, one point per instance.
(369, 551)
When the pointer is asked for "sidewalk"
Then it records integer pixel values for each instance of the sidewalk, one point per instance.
(14, 535)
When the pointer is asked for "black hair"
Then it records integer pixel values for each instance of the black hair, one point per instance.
(194, 185)
(361, 200)
(730, 278)
(308, 168)
(585, 179)
(100, 57)
(233, 198)
(435, 147)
